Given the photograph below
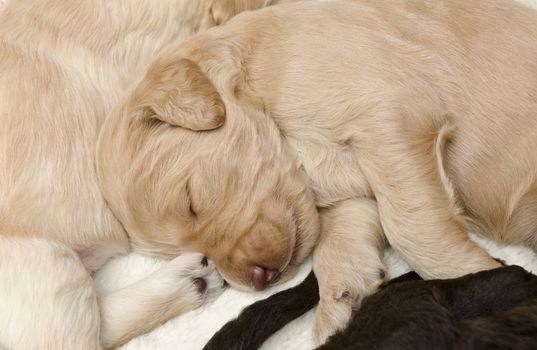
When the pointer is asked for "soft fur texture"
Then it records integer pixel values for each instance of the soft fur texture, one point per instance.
(48, 299)
(193, 329)
(491, 308)
(407, 122)
(41, 284)
(64, 65)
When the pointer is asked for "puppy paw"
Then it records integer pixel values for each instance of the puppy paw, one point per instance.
(195, 277)
(333, 312)
(339, 301)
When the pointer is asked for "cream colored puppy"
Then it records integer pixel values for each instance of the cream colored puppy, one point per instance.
(404, 121)
(63, 66)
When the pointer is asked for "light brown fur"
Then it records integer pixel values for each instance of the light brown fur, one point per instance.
(426, 109)
(64, 64)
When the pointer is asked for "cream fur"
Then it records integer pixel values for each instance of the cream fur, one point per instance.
(64, 66)
(356, 109)
(199, 199)
(37, 302)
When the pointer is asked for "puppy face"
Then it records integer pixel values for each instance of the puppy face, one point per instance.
(185, 167)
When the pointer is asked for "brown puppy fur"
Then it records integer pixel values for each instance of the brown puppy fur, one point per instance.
(64, 65)
(410, 120)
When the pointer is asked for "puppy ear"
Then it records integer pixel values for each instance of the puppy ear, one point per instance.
(181, 95)
(223, 10)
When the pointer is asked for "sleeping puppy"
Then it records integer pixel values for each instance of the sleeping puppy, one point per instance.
(495, 308)
(64, 65)
(407, 122)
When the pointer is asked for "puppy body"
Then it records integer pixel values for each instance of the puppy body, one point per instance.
(64, 65)
(424, 109)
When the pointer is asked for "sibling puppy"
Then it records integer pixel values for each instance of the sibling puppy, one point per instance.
(406, 122)
(495, 308)
(64, 65)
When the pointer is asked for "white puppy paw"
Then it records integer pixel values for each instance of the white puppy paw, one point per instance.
(194, 278)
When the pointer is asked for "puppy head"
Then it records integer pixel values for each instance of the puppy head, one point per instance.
(185, 166)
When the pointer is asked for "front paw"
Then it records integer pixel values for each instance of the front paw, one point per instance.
(196, 277)
(339, 301)
(334, 312)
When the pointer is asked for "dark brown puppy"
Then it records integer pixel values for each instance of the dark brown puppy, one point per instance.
(491, 309)
(494, 309)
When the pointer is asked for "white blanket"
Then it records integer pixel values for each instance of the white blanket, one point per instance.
(192, 330)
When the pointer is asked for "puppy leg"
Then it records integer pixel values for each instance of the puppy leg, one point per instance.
(415, 200)
(47, 297)
(347, 262)
(181, 285)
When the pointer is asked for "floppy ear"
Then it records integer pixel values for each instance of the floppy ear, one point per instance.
(223, 10)
(181, 95)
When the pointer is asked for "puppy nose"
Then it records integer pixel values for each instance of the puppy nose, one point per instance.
(261, 276)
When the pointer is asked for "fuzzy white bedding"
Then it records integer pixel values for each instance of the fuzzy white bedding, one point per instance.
(192, 330)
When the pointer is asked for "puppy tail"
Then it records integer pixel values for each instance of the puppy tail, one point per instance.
(444, 136)
(259, 321)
